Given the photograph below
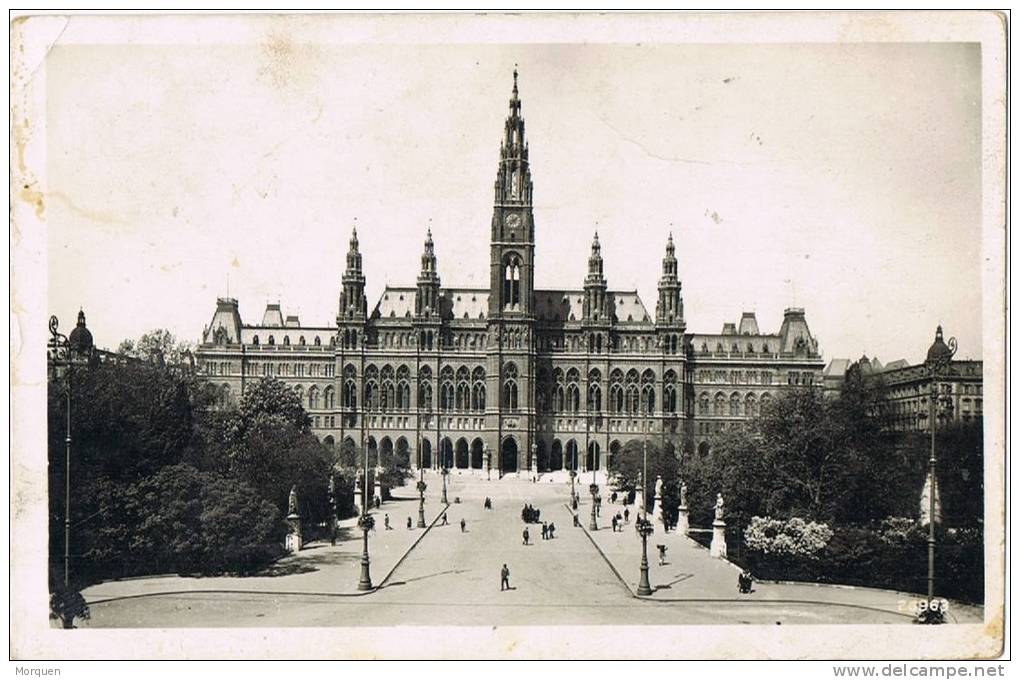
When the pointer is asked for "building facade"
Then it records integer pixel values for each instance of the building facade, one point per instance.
(509, 377)
(906, 389)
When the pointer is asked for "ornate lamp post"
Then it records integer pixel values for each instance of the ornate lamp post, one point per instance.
(446, 471)
(62, 354)
(573, 474)
(366, 522)
(643, 526)
(644, 529)
(940, 355)
(332, 507)
(421, 492)
(593, 524)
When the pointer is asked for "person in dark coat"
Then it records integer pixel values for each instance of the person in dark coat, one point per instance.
(408, 522)
(552, 529)
(526, 535)
(463, 525)
(504, 578)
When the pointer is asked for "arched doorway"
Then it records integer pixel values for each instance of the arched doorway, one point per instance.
(556, 455)
(462, 458)
(508, 456)
(403, 457)
(329, 441)
(571, 461)
(591, 460)
(425, 455)
(614, 452)
(446, 453)
(543, 457)
(373, 452)
(386, 452)
(704, 449)
(477, 456)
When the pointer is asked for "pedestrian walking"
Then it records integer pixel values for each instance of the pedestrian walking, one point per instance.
(445, 523)
(463, 525)
(408, 522)
(626, 515)
(504, 578)
(526, 535)
(662, 554)
(545, 531)
(552, 529)
(577, 523)
(614, 524)
(386, 522)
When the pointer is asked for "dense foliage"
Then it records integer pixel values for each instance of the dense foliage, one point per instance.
(167, 476)
(815, 460)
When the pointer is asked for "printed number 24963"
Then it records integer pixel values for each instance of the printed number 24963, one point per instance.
(939, 604)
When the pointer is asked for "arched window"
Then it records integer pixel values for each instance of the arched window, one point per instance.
(669, 398)
(512, 281)
(594, 398)
(272, 340)
(425, 389)
(510, 386)
(703, 404)
(616, 391)
(371, 387)
(286, 341)
(720, 404)
(750, 406)
(734, 404)
(318, 341)
(255, 341)
(313, 397)
(446, 389)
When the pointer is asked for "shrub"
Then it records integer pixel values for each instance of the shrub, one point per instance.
(793, 537)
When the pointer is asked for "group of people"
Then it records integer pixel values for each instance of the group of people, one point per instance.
(548, 530)
(619, 520)
(530, 514)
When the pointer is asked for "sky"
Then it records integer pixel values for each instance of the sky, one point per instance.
(841, 178)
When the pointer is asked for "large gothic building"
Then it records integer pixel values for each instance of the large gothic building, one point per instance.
(508, 377)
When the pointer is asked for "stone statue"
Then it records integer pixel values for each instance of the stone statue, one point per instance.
(658, 486)
(683, 494)
(718, 506)
(292, 507)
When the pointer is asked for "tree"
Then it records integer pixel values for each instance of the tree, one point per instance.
(806, 456)
(157, 344)
(662, 461)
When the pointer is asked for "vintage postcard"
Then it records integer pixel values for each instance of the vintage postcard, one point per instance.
(508, 336)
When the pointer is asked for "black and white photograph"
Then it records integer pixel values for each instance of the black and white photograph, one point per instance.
(508, 336)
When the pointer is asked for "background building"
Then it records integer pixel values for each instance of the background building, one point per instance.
(509, 376)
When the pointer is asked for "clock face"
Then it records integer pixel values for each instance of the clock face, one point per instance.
(513, 220)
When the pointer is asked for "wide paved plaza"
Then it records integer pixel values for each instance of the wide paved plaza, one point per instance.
(445, 576)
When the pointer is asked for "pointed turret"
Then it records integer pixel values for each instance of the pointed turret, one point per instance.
(595, 286)
(512, 248)
(426, 302)
(669, 311)
(353, 304)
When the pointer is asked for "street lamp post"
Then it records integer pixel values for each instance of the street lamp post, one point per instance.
(446, 471)
(365, 521)
(643, 526)
(593, 524)
(61, 347)
(332, 507)
(940, 355)
(421, 492)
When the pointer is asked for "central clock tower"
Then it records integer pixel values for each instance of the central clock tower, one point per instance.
(512, 250)
(510, 369)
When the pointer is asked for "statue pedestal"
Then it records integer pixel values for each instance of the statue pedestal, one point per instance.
(294, 541)
(639, 501)
(718, 547)
(378, 492)
(358, 504)
(683, 521)
(657, 517)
